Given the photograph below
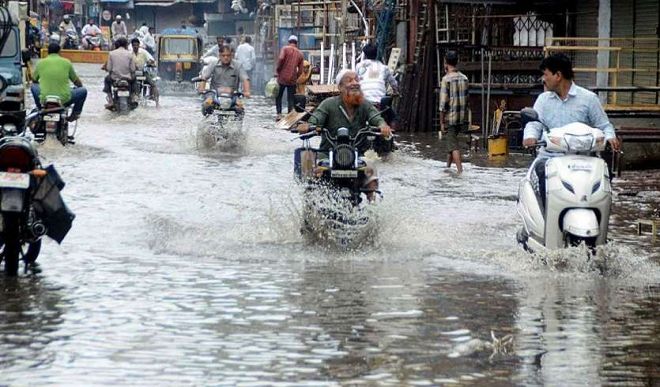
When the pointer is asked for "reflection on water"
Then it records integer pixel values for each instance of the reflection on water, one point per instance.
(188, 268)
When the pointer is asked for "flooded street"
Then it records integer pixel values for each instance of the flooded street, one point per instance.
(187, 267)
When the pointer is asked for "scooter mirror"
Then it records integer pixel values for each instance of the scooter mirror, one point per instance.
(529, 115)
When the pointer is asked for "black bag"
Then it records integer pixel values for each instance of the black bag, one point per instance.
(50, 207)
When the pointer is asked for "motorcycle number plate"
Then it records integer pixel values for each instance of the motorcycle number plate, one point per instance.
(52, 117)
(14, 180)
(123, 93)
(343, 174)
(140, 78)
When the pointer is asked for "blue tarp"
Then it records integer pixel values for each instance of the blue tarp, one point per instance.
(179, 31)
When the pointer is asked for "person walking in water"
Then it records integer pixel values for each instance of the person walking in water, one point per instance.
(289, 69)
(453, 108)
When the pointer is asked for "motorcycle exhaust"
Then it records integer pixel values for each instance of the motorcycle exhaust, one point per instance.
(38, 229)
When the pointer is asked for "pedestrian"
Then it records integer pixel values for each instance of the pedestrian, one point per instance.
(246, 56)
(241, 35)
(118, 29)
(149, 41)
(453, 108)
(289, 69)
(215, 50)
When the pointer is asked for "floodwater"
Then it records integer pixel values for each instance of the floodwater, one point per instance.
(187, 267)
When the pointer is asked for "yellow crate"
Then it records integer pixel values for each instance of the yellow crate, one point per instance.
(81, 56)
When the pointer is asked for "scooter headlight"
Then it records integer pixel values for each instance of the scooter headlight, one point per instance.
(583, 143)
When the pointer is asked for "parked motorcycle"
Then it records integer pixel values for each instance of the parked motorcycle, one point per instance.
(335, 186)
(30, 202)
(51, 121)
(575, 207)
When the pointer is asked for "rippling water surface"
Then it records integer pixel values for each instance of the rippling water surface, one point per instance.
(186, 267)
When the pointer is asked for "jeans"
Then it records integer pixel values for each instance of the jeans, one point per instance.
(78, 97)
(291, 90)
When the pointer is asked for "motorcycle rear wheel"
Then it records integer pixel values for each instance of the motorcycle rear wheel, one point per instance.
(12, 249)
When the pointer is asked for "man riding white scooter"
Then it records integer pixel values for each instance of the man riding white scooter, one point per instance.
(564, 106)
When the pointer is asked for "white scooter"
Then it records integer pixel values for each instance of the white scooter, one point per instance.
(577, 188)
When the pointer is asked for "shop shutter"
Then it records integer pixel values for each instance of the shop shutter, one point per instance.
(645, 25)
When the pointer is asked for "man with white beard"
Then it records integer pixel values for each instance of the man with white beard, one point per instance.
(347, 110)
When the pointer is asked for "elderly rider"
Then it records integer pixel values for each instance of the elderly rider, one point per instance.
(348, 110)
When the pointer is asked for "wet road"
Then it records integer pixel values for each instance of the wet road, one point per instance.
(186, 267)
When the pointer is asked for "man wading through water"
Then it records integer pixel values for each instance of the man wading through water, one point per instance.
(453, 108)
(289, 69)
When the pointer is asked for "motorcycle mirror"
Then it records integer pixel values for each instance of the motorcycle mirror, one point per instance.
(529, 115)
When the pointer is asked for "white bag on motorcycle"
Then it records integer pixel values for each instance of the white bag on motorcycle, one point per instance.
(50, 207)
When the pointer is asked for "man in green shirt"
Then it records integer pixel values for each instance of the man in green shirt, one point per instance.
(51, 78)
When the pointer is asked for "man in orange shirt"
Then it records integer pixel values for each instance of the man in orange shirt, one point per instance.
(289, 69)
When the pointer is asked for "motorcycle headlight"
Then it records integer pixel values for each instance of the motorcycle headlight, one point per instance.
(344, 156)
(224, 103)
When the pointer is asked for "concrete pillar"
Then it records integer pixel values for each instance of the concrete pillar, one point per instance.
(604, 32)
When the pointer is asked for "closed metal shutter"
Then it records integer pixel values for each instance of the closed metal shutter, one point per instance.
(646, 22)
(586, 25)
(622, 27)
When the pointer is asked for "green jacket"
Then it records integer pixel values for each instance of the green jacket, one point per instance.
(332, 115)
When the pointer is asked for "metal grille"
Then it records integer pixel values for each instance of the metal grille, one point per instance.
(344, 156)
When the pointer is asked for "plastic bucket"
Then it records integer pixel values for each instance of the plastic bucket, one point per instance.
(498, 146)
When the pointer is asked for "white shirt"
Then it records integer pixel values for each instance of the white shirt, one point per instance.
(246, 57)
(142, 57)
(149, 41)
(91, 29)
(374, 77)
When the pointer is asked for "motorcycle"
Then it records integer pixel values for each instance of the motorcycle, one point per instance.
(30, 202)
(223, 113)
(93, 42)
(121, 97)
(71, 41)
(384, 146)
(51, 121)
(578, 193)
(143, 86)
(335, 186)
